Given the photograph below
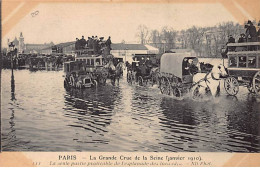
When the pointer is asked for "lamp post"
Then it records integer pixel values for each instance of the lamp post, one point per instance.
(12, 52)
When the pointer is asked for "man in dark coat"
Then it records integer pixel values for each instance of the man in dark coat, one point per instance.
(77, 44)
(251, 34)
(83, 42)
(231, 39)
(90, 43)
(108, 42)
(95, 45)
(87, 42)
(241, 38)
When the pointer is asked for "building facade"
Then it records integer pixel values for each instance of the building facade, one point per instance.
(28, 48)
(64, 48)
(126, 52)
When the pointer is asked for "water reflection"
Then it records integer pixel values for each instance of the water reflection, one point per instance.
(42, 116)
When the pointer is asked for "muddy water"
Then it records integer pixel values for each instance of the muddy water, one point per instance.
(42, 116)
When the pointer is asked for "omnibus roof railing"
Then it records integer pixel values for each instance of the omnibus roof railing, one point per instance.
(243, 44)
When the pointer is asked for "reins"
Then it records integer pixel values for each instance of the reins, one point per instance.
(206, 79)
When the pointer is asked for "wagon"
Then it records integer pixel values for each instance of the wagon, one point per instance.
(175, 77)
(85, 72)
(243, 67)
(142, 70)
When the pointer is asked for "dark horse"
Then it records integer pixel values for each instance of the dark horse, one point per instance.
(114, 73)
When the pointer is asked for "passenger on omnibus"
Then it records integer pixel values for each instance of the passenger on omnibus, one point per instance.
(242, 38)
(77, 45)
(251, 34)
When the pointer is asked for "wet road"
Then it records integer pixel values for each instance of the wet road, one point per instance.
(43, 116)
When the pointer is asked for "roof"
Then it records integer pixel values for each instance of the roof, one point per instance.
(151, 49)
(121, 46)
(66, 44)
(172, 63)
(182, 50)
(61, 45)
(36, 48)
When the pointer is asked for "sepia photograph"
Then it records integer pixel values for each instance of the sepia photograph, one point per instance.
(130, 77)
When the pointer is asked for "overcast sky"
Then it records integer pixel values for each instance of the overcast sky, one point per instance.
(59, 22)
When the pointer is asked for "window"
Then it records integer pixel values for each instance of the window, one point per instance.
(252, 62)
(68, 68)
(92, 62)
(242, 61)
(98, 61)
(233, 61)
(88, 62)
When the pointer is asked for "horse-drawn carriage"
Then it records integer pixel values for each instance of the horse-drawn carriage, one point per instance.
(142, 70)
(176, 73)
(243, 67)
(180, 73)
(85, 72)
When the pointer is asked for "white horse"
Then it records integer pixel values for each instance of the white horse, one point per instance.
(210, 81)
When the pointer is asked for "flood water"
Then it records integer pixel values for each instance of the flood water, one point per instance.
(42, 116)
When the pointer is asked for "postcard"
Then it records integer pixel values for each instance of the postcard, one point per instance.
(130, 83)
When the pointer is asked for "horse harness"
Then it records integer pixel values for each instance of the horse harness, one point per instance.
(206, 79)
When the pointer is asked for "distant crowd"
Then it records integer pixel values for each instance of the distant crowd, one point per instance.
(94, 43)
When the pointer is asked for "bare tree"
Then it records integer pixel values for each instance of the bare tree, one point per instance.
(169, 36)
(142, 33)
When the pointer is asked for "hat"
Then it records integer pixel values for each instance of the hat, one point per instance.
(249, 22)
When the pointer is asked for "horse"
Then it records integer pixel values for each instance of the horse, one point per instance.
(113, 72)
(154, 73)
(208, 81)
(120, 67)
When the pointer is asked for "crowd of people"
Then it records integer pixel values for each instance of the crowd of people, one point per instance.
(94, 43)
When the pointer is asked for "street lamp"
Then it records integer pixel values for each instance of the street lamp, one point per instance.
(12, 52)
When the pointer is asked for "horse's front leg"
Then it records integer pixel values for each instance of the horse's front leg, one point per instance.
(118, 81)
(214, 90)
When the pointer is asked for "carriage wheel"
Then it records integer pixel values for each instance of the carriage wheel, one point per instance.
(129, 78)
(157, 78)
(140, 81)
(165, 86)
(256, 83)
(231, 86)
(176, 92)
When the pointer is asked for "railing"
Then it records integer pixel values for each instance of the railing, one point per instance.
(246, 46)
